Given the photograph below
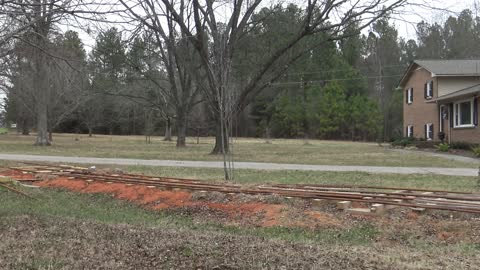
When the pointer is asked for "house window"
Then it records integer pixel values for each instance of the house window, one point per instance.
(463, 113)
(409, 95)
(429, 90)
(429, 131)
(410, 131)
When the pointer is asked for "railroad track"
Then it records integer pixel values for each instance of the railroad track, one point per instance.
(467, 202)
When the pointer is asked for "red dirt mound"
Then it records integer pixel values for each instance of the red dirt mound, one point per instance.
(17, 175)
(235, 210)
(157, 199)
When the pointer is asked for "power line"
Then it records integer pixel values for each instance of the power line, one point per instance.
(335, 70)
(332, 80)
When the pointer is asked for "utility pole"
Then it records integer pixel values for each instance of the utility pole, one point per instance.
(304, 111)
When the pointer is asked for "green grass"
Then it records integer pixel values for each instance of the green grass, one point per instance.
(391, 234)
(54, 203)
(247, 176)
(244, 149)
(3, 131)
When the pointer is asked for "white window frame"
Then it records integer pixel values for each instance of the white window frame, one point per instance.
(429, 89)
(457, 114)
(410, 95)
(410, 131)
(428, 138)
(440, 111)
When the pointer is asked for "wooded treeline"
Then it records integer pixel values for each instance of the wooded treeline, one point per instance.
(282, 71)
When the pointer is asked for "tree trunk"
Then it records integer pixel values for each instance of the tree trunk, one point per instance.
(50, 136)
(25, 129)
(90, 132)
(352, 131)
(267, 135)
(42, 93)
(42, 127)
(181, 130)
(168, 130)
(218, 149)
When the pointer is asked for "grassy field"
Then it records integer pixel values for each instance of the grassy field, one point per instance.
(66, 230)
(63, 230)
(244, 149)
(246, 176)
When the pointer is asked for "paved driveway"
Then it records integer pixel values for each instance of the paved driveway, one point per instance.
(243, 165)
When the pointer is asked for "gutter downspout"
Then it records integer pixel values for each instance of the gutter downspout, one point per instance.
(450, 114)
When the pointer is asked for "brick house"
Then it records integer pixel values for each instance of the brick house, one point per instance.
(441, 97)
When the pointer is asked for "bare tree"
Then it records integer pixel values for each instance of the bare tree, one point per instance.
(37, 18)
(179, 63)
(215, 29)
(32, 22)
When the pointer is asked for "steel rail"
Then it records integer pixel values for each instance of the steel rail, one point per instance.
(310, 186)
(283, 190)
(389, 194)
(310, 196)
(373, 187)
(123, 176)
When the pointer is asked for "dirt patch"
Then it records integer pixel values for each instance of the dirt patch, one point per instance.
(14, 174)
(325, 219)
(269, 211)
(73, 185)
(231, 211)
(135, 193)
(213, 196)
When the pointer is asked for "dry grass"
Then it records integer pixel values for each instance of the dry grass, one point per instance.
(64, 230)
(244, 149)
(66, 244)
(247, 176)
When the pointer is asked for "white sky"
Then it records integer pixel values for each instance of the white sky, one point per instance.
(434, 11)
(430, 11)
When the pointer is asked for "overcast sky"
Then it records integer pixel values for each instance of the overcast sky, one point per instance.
(437, 11)
(428, 10)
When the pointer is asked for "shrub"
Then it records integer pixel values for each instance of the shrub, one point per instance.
(424, 144)
(476, 150)
(403, 142)
(3, 131)
(443, 147)
(461, 145)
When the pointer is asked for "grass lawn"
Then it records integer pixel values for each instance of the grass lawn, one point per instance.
(244, 149)
(250, 176)
(64, 230)
(247, 176)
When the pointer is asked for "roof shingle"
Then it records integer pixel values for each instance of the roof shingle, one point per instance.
(451, 67)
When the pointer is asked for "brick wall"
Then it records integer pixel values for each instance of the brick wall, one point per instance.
(471, 135)
(419, 112)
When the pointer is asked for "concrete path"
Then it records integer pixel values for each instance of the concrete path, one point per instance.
(441, 155)
(242, 165)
